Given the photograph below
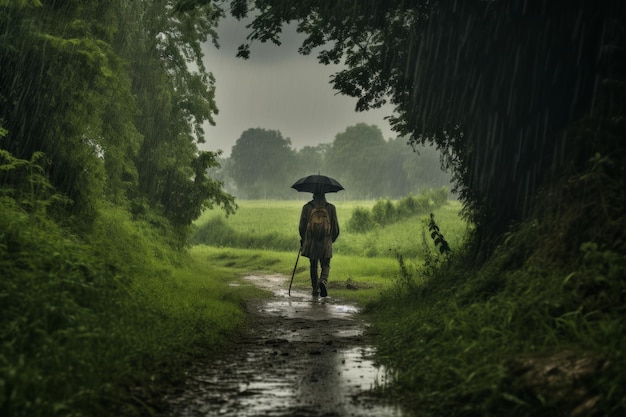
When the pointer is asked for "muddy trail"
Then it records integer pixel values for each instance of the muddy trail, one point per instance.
(300, 356)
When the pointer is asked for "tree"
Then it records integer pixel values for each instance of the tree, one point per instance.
(64, 92)
(262, 163)
(190, 196)
(357, 157)
(493, 84)
(114, 94)
(311, 160)
(176, 95)
(421, 167)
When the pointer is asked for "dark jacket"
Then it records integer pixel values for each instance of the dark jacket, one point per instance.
(323, 248)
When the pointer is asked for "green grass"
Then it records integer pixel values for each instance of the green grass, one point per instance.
(352, 278)
(363, 264)
(83, 324)
(273, 225)
(464, 342)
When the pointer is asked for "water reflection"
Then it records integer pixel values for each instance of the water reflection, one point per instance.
(304, 356)
(334, 383)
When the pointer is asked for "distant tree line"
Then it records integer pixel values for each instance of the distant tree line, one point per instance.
(263, 165)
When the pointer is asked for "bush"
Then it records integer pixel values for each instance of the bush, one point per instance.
(81, 322)
(361, 221)
(522, 334)
(408, 206)
(384, 212)
(54, 292)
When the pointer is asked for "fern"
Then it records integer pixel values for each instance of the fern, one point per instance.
(26, 181)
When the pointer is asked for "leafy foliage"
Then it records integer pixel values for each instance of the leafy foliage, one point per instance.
(54, 293)
(94, 298)
(262, 161)
(437, 236)
(481, 80)
(83, 322)
(533, 331)
(361, 220)
(82, 319)
(114, 118)
(33, 191)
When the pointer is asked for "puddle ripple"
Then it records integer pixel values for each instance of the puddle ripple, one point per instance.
(301, 357)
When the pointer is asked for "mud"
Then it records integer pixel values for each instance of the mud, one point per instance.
(301, 356)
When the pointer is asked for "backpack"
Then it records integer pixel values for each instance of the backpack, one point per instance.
(319, 223)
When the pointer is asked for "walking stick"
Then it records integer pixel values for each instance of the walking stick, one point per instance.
(294, 270)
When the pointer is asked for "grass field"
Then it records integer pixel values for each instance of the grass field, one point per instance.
(273, 225)
(263, 236)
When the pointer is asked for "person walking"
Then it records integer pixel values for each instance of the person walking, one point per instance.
(319, 228)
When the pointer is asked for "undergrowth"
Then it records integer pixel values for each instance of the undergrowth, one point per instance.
(534, 331)
(91, 324)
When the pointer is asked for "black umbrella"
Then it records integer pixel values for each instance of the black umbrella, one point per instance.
(317, 184)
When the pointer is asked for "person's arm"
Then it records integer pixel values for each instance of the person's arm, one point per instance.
(304, 219)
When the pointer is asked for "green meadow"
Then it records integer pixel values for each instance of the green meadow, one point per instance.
(263, 236)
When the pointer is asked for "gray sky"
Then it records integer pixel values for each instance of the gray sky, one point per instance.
(277, 89)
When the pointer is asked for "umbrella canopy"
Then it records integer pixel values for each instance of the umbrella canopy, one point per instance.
(317, 184)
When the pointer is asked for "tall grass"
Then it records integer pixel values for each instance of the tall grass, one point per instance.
(516, 337)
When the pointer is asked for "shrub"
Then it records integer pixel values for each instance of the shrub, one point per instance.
(361, 221)
(439, 196)
(407, 207)
(384, 212)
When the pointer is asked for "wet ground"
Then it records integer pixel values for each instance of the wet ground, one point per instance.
(301, 356)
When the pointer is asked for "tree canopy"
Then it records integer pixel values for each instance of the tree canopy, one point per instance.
(114, 94)
(496, 85)
(261, 163)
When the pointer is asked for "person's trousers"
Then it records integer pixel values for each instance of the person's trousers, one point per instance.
(324, 263)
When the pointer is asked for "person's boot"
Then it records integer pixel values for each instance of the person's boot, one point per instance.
(323, 284)
(323, 292)
(315, 286)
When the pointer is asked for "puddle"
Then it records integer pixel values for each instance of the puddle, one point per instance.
(302, 356)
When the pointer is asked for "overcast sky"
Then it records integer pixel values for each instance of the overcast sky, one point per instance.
(277, 89)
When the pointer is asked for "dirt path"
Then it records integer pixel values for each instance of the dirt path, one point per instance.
(301, 357)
